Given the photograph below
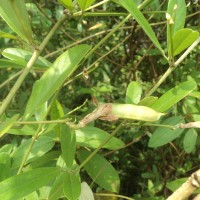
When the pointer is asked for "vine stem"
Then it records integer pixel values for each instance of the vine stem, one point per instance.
(172, 67)
(29, 65)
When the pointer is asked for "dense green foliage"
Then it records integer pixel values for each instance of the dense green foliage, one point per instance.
(59, 60)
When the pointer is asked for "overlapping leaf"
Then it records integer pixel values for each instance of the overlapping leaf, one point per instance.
(54, 77)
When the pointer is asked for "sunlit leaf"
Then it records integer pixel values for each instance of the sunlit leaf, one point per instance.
(5, 126)
(178, 15)
(173, 96)
(86, 192)
(133, 93)
(183, 38)
(21, 57)
(84, 4)
(15, 14)
(7, 35)
(23, 184)
(54, 77)
(66, 3)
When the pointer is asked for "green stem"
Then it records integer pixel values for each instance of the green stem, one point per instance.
(29, 149)
(28, 67)
(171, 68)
(101, 145)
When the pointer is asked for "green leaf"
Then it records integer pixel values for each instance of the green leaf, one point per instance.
(72, 186)
(21, 57)
(56, 110)
(68, 144)
(84, 4)
(5, 126)
(195, 94)
(23, 130)
(47, 160)
(5, 166)
(189, 140)
(148, 101)
(7, 148)
(174, 185)
(57, 188)
(133, 93)
(4, 63)
(162, 135)
(86, 192)
(92, 137)
(178, 17)
(40, 147)
(15, 14)
(101, 171)
(173, 96)
(54, 77)
(23, 184)
(7, 35)
(179, 13)
(66, 3)
(183, 38)
(131, 7)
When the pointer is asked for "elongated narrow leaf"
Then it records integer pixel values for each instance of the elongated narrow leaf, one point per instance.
(101, 171)
(178, 15)
(5, 126)
(7, 35)
(15, 14)
(68, 144)
(21, 185)
(93, 137)
(54, 77)
(183, 38)
(4, 63)
(21, 57)
(84, 4)
(66, 3)
(189, 141)
(135, 12)
(5, 166)
(72, 186)
(173, 96)
(133, 93)
(40, 147)
(163, 135)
